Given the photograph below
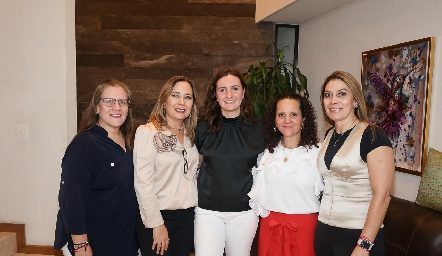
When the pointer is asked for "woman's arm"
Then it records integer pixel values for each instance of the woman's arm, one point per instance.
(77, 171)
(84, 251)
(144, 164)
(380, 163)
(201, 160)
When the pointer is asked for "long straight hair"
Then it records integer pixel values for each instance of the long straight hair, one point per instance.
(355, 87)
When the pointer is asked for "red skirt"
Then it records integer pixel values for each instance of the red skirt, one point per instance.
(283, 234)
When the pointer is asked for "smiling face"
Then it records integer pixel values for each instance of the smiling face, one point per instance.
(338, 101)
(111, 118)
(229, 94)
(179, 104)
(289, 118)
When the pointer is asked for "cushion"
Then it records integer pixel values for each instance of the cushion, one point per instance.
(430, 188)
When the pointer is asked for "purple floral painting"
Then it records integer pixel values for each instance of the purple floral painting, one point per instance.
(396, 81)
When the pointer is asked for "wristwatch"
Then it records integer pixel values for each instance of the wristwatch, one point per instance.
(365, 243)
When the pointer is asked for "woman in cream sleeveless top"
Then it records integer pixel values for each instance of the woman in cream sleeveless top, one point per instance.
(357, 165)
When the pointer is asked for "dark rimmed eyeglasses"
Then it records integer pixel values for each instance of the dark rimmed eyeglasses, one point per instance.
(186, 165)
(110, 102)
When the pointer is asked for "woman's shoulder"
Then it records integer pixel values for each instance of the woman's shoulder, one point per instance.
(314, 148)
(146, 127)
(81, 142)
(255, 125)
(375, 135)
(328, 130)
(202, 123)
(311, 151)
(372, 129)
(86, 136)
(202, 127)
(150, 128)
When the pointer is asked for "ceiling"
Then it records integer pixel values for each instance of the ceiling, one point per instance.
(300, 11)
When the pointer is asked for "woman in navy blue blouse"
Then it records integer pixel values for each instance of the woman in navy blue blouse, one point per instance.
(97, 198)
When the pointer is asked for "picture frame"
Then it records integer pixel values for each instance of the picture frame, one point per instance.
(396, 81)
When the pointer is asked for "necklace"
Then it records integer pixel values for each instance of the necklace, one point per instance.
(178, 129)
(335, 134)
(286, 155)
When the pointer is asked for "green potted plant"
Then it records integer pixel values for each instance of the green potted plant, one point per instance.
(265, 82)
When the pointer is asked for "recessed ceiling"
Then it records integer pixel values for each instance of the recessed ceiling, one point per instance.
(300, 11)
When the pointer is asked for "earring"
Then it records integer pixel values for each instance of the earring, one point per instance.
(164, 111)
(275, 129)
(356, 105)
(96, 112)
(190, 115)
(302, 127)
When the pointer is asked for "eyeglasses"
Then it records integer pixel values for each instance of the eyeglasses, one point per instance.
(110, 102)
(186, 165)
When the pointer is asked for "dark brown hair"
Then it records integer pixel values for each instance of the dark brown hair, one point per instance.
(212, 110)
(309, 132)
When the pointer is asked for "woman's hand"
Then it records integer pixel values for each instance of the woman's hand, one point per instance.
(160, 239)
(358, 251)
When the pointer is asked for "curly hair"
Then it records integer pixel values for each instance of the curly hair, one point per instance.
(158, 115)
(309, 132)
(90, 117)
(212, 110)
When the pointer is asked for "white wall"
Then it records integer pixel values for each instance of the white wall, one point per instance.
(37, 81)
(336, 40)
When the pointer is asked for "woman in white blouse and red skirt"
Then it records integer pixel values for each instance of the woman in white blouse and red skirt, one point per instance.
(287, 183)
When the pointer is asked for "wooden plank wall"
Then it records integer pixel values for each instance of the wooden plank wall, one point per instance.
(145, 42)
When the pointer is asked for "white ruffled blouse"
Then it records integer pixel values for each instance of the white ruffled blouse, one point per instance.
(292, 186)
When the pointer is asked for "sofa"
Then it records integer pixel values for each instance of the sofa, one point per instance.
(412, 230)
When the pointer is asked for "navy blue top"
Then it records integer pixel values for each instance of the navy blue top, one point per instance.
(97, 195)
(225, 176)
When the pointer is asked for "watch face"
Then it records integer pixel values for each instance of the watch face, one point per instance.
(365, 244)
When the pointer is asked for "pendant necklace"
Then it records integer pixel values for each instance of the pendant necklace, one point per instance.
(178, 129)
(335, 134)
(286, 155)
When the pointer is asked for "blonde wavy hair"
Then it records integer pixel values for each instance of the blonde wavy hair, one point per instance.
(158, 115)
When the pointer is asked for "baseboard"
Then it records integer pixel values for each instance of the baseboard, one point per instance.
(19, 230)
(38, 249)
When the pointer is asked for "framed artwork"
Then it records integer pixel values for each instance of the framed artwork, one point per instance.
(396, 81)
